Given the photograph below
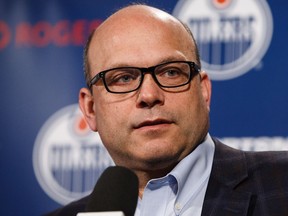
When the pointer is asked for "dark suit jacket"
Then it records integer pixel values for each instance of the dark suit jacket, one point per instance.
(240, 184)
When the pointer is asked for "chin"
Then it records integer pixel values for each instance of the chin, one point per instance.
(160, 162)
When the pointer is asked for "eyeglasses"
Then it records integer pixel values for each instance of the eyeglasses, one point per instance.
(127, 79)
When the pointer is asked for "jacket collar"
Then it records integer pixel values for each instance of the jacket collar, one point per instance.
(229, 169)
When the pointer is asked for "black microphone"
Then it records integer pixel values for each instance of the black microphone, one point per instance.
(116, 190)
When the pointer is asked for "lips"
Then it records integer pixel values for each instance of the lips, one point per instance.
(152, 123)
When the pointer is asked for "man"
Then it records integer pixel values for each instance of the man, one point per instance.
(149, 102)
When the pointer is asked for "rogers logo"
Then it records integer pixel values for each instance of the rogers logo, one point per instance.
(68, 158)
(232, 35)
(44, 33)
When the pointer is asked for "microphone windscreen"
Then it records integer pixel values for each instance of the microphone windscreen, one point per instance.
(116, 190)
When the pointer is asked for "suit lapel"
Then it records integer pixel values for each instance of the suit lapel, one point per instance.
(227, 203)
(228, 171)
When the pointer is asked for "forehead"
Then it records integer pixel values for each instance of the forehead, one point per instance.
(137, 37)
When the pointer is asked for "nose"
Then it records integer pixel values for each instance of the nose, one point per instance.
(149, 94)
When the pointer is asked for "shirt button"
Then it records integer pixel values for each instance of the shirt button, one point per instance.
(178, 206)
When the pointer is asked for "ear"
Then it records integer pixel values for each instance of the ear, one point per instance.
(206, 88)
(86, 103)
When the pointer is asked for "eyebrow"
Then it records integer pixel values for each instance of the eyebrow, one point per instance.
(164, 60)
(172, 58)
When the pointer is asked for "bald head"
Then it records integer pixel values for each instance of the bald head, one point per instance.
(134, 27)
(142, 38)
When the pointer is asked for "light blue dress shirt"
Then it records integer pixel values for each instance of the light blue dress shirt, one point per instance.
(182, 191)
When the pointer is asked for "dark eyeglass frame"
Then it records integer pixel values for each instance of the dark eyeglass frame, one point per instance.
(194, 69)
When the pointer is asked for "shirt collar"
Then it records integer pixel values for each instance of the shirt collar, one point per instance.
(188, 180)
(191, 171)
(194, 169)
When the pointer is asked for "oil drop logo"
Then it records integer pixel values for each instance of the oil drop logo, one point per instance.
(68, 158)
(232, 35)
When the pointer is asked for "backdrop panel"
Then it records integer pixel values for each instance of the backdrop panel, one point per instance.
(48, 155)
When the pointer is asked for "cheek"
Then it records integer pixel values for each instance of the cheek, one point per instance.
(111, 116)
(192, 108)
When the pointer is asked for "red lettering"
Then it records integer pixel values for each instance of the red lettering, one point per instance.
(22, 36)
(42, 33)
(61, 33)
(78, 32)
(5, 35)
(94, 24)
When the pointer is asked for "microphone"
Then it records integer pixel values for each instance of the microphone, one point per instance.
(116, 192)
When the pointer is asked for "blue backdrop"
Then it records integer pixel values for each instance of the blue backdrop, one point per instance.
(47, 153)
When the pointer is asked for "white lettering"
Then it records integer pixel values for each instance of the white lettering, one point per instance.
(224, 29)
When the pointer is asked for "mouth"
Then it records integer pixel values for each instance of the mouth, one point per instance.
(157, 122)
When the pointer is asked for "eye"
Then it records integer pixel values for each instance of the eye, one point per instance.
(172, 72)
(122, 77)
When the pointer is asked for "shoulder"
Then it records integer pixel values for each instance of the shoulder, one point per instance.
(254, 158)
(268, 169)
(71, 209)
(255, 179)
